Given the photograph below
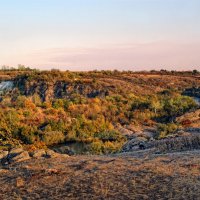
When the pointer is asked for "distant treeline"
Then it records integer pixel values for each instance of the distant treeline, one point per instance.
(108, 72)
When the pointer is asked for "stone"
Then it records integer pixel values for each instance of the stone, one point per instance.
(3, 154)
(16, 150)
(148, 134)
(64, 150)
(20, 182)
(52, 171)
(20, 157)
(51, 154)
(38, 153)
(65, 155)
(4, 171)
(134, 144)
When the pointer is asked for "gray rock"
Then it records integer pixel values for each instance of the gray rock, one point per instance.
(197, 130)
(3, 154)
(129, 134)
(65, 155)
(20, 157)
(16, 150)
(125, 131)
(134, 144)
(51, 154)
(3, 157)
(38, 153)
(148, 134)
(65, 150)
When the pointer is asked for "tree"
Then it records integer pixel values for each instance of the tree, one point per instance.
(195, 72)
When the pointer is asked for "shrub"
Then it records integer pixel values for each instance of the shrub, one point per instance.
(53, 137)
(96, 147)
(111, 147)
(110, 135)
(20, 101)
(58, 103)
(166, 129)
(28, 134)
(36, 100)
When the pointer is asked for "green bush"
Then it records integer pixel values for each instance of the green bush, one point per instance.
(96, 147)
(110, 135)
(26, 134)
(166, 129)
(100, 147)
(53, 137)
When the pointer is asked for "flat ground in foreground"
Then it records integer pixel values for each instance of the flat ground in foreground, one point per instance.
(125, 176)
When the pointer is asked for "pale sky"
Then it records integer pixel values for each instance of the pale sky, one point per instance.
(100, 34)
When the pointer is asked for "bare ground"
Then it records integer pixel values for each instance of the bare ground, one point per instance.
(124, 176)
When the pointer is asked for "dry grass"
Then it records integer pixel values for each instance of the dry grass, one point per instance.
(172, 176)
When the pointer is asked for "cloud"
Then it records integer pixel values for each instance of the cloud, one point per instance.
(138, 56)
(132, 56)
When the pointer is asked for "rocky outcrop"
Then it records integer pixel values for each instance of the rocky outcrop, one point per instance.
(6, 86)
(65, 150)
(131, 133)
(3, 154)
(170, 144)
(193, 130)
(135, 144)
(178, 143)
(38, 153)
(27, 87)
(15, 151)
(51, 89)
(190, 120)
(66, 89)
(52, 154)
(20, 157)
(125, 132)
(16, 155)
(192, 92)
(44, 153)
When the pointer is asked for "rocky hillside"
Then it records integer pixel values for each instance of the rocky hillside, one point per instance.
(99, 110)
(144, 125)
(56, 84)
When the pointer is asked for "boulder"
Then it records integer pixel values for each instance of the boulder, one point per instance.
(20, 182)
(51, 154)
(4, 171)
(129, 134)
(65, 155)
(124, 131)
(64, 150)
(38, 153)
(182, 133)
(3, 154)
(134, 144)
(3, 157)
(133, 128)
(20, 157)
(148, 134)
(15, 151)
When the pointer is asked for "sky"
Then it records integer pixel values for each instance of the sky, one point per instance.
(100, 34)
